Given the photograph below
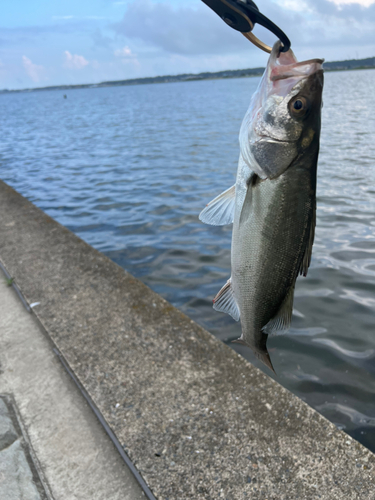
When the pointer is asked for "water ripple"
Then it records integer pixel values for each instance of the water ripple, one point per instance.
(368, 353)
(128, 169)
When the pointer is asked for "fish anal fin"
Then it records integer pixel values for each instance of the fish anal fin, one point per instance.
(281, 321)
(308, 250)
(239, 341)
(220, 211)
(265, 358)
(262, 355)
(225, 301)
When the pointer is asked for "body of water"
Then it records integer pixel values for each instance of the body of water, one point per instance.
(128, 169)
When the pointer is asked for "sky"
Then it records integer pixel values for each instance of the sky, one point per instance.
(49, 42)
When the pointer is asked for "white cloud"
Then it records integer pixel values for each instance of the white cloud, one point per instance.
(315, 27)
(127, 56)
(364, 3)
(34, 71)
(185, 29)
(294, 5)
(153, 37)
(124, 52)
(74, 61)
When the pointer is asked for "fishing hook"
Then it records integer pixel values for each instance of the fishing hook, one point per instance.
(242, 15)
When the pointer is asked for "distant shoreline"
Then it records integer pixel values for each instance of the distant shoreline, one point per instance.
(351, 64)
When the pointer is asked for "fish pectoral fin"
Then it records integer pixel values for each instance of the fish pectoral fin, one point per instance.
(281, 321)
(220, 211)
(308, 250)
(225, 301)
(246, 206)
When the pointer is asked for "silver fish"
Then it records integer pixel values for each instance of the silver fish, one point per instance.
(273, 203)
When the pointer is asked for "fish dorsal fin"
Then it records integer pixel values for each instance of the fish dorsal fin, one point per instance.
(225, 301)
(308, 250)
(281, 321)
(220, 210)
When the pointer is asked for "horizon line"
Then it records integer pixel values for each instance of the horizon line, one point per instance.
(181, 77)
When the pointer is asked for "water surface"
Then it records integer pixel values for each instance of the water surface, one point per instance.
(128, 169)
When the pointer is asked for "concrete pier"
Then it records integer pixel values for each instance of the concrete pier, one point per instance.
(196, 419)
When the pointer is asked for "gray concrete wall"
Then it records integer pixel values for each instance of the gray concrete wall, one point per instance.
(197, 420)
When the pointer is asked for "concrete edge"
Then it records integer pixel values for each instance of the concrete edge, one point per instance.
(106, 427)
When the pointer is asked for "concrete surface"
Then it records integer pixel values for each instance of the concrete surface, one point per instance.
(74, 455)
(18, 477)
(197, 420)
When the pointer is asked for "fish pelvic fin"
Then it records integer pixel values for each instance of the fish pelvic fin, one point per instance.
(220, 211)
(225, 301)
(262, 355)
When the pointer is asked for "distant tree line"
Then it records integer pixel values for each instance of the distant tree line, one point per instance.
(238, 73)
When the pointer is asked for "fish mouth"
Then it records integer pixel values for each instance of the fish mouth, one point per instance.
(284, 71)
(269, 138)
(303, 69)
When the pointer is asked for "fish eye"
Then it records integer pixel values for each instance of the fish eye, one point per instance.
(299, 106)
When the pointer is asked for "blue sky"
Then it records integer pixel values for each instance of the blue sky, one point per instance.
(45, 42)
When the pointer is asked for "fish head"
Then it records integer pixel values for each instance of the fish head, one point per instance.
(284, 115)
